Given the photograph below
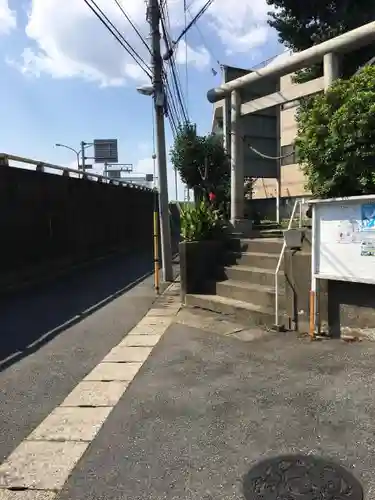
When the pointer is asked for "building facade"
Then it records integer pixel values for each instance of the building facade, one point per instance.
(272, 131)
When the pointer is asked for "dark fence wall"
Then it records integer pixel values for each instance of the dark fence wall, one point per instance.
(47, 218)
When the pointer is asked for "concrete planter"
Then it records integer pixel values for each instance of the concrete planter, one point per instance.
(199, 262)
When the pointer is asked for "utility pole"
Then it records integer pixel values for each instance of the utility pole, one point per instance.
(153, 17)
(83, 145)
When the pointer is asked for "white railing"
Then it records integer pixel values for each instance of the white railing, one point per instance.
(66, 171)
(298, 203)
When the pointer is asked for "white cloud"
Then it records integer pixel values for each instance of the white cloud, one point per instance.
(67, 40)
(241, 28)
(7, 18)
(200, 58)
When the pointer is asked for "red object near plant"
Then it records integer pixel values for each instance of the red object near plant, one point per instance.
(212, 196)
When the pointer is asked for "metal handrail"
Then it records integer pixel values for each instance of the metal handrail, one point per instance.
(296, 203)
(5, 158)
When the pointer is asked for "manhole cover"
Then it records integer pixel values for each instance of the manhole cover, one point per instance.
(300, 477)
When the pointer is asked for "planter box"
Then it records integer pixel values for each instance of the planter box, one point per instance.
(199, 261)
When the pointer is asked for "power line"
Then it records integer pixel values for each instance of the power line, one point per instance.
(194, 20)
(133, 25)
(204, 41)
(172, 63)
(186, 57)
(119, 37)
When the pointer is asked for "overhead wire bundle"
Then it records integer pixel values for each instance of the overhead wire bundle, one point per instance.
(176, 107)
(103, 18)
(177, 110)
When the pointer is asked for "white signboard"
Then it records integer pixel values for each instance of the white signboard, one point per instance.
(344, 239)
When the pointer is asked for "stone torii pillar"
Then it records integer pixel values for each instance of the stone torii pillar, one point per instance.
(331, 69)
(237, 192)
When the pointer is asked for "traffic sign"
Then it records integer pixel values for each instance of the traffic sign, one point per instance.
(87, 166)
(105, 151)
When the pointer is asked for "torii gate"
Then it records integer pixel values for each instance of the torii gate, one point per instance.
(327, 51)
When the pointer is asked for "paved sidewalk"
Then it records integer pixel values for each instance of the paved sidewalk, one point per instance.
(205, 407)
(39, 466)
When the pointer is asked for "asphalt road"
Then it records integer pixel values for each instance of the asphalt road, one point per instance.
(205, 408)
(53, 335)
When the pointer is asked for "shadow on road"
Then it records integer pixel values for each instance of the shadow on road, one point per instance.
(31, 318)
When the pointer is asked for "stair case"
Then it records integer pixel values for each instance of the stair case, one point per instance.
(245, 287)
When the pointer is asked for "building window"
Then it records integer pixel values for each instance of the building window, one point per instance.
(289, 155)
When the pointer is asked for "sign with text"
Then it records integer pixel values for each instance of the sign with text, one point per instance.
(105, 151)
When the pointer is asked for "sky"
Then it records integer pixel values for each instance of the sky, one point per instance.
(65, 78)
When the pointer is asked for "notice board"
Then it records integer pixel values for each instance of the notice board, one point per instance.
(344, 239)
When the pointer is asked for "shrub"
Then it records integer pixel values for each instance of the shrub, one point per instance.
(201, 222)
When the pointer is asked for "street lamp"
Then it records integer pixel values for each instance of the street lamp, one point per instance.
(81, 152)
(146, 90)
(71, 149)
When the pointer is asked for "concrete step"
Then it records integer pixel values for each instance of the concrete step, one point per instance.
(261, 295)
(253, 259)
(266, 245)
(267, 225)
(250, 274)
(243, 312)
(267, 233)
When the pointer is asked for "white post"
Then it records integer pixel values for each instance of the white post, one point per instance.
(237, 174)
(331, 68)
(313, 289)
(278, 162)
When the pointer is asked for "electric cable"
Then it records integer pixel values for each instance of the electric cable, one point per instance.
(132, 25)
(119, 37)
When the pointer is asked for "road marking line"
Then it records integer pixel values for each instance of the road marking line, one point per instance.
(127, 354)
(95, 393)
(42, 463)
(114, 371)
(27, 495)
(71, 424)
(140, 340)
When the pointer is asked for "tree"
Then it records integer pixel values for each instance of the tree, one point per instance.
(201, 161)
(336, 138)
(301, 24)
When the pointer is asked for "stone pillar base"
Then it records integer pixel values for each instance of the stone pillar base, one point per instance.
(243, 227)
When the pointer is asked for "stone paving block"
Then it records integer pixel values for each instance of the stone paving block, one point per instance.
(95, 393)
(154, 321)
(126, 354)
(140, 340)
(71, 424)
(163, 311)
(150, 329)
(27, 495)
(43, 465)
(114, 371)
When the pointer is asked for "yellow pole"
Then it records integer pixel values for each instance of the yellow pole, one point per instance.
(156, 247)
